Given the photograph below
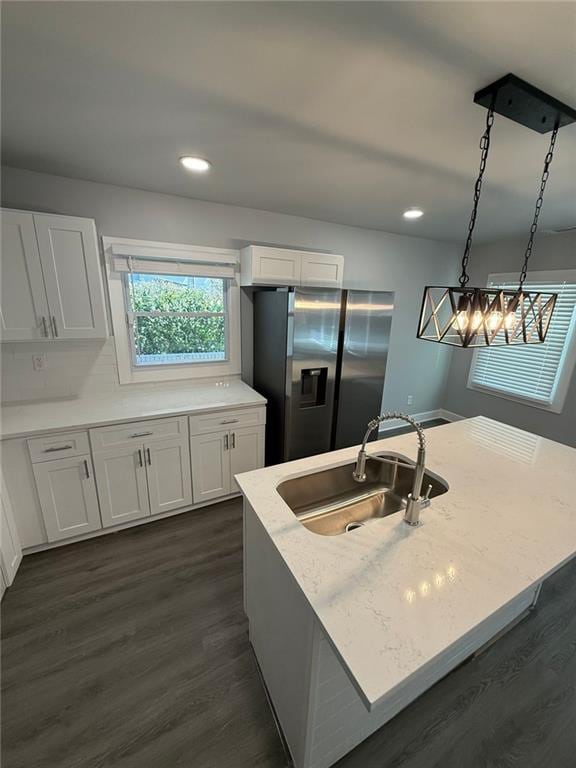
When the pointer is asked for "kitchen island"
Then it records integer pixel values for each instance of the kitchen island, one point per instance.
(349, 629)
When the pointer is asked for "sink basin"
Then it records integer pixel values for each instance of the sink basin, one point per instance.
(331, 502)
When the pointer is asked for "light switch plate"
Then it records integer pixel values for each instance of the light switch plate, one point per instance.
(39, 362)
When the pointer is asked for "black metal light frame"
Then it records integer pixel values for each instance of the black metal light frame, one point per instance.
(480, 317)
(484, 317)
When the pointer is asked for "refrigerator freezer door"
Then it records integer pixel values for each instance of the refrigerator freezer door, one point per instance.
(313, 324)
(366, 337)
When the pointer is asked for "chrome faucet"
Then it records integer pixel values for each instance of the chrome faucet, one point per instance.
(416, 502)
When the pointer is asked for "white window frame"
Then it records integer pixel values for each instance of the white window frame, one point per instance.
(567, 362)
(128, 373)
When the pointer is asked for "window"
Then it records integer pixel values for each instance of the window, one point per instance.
(537, 375)
(175, 310)
(175, 319)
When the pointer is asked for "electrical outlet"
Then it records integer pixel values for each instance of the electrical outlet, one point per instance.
(39, 362)
(410, 399)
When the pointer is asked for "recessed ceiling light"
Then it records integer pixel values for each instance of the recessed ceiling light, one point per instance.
(196, 164)
(413, 213)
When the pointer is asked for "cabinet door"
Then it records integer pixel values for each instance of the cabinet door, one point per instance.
(121, 482)
(168, 472)
(246, 452)
(23, 305)
(71, 268)
(210, 465)
(322, 269)
(10, 547)
(275, 266)
(68, 497)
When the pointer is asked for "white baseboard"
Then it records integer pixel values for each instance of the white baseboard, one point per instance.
(449, 415)
(439, 413)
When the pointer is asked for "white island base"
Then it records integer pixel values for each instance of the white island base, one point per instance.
(322, 714)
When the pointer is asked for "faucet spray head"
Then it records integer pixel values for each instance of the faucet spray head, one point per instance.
(359, 473)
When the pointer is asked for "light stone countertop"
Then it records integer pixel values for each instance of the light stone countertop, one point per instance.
(130, 404)
(391, 597)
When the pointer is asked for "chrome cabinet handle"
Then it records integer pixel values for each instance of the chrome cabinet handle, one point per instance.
(149, 457)
(54, 326)
(226, 442)
(86, 469)
(140, 462)
(229, 421)
(141, 434)
(233, 439)
(60, 448)
(44, 327)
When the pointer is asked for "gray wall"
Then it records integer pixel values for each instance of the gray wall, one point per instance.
(550, 252)
(373, 260)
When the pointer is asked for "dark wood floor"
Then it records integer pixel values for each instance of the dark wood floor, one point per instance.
(131, 650)
(407, 428)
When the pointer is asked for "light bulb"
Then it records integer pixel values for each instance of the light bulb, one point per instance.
(494, 320)
(461, 320)
(476, 321)
(510, 321)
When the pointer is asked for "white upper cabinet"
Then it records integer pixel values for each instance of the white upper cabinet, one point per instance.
(72, 276)
(52, 282)
(24, 307)
(322, 269)
(264, 265)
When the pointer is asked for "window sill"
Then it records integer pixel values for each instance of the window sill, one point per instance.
(173, 373)
(553, 407)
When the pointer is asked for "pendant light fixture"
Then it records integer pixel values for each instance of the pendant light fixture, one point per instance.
(463, 316)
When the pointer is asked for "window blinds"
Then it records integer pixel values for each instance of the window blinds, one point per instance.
(171, 261)
(530, 372)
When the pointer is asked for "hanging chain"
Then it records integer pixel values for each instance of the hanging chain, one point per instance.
(484, 147)
(539, 201)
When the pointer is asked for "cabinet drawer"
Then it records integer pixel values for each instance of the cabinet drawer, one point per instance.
(215, 422)
(137, 432)
(58, 446)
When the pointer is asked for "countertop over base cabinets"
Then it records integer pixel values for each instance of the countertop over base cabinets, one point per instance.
(125, 404)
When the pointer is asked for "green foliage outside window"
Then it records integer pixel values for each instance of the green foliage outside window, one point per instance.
(178, 335)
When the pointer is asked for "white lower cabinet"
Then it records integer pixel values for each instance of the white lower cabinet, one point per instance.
(68, 499)
(135, 481)
(68, 484)
(142, 468)
(210, 465)
(168, 473)
(122, 486)
(246, 452)
(218, 456)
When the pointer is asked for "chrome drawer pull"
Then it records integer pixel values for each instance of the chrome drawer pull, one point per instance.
(229, 421)
(149, 457)
(141, 434)
(225, 442)
(233, 439)
(54, 326)
(45, 327)
(140, 462)
(61, 448)
(86, 469)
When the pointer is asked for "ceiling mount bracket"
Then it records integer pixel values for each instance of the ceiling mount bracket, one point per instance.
(523, 103)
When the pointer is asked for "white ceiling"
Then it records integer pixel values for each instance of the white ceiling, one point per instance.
(346, 111)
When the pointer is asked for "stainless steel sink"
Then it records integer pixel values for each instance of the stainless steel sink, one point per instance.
(331, 502)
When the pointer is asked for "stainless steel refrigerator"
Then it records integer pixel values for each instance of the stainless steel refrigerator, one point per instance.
(320, 359)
